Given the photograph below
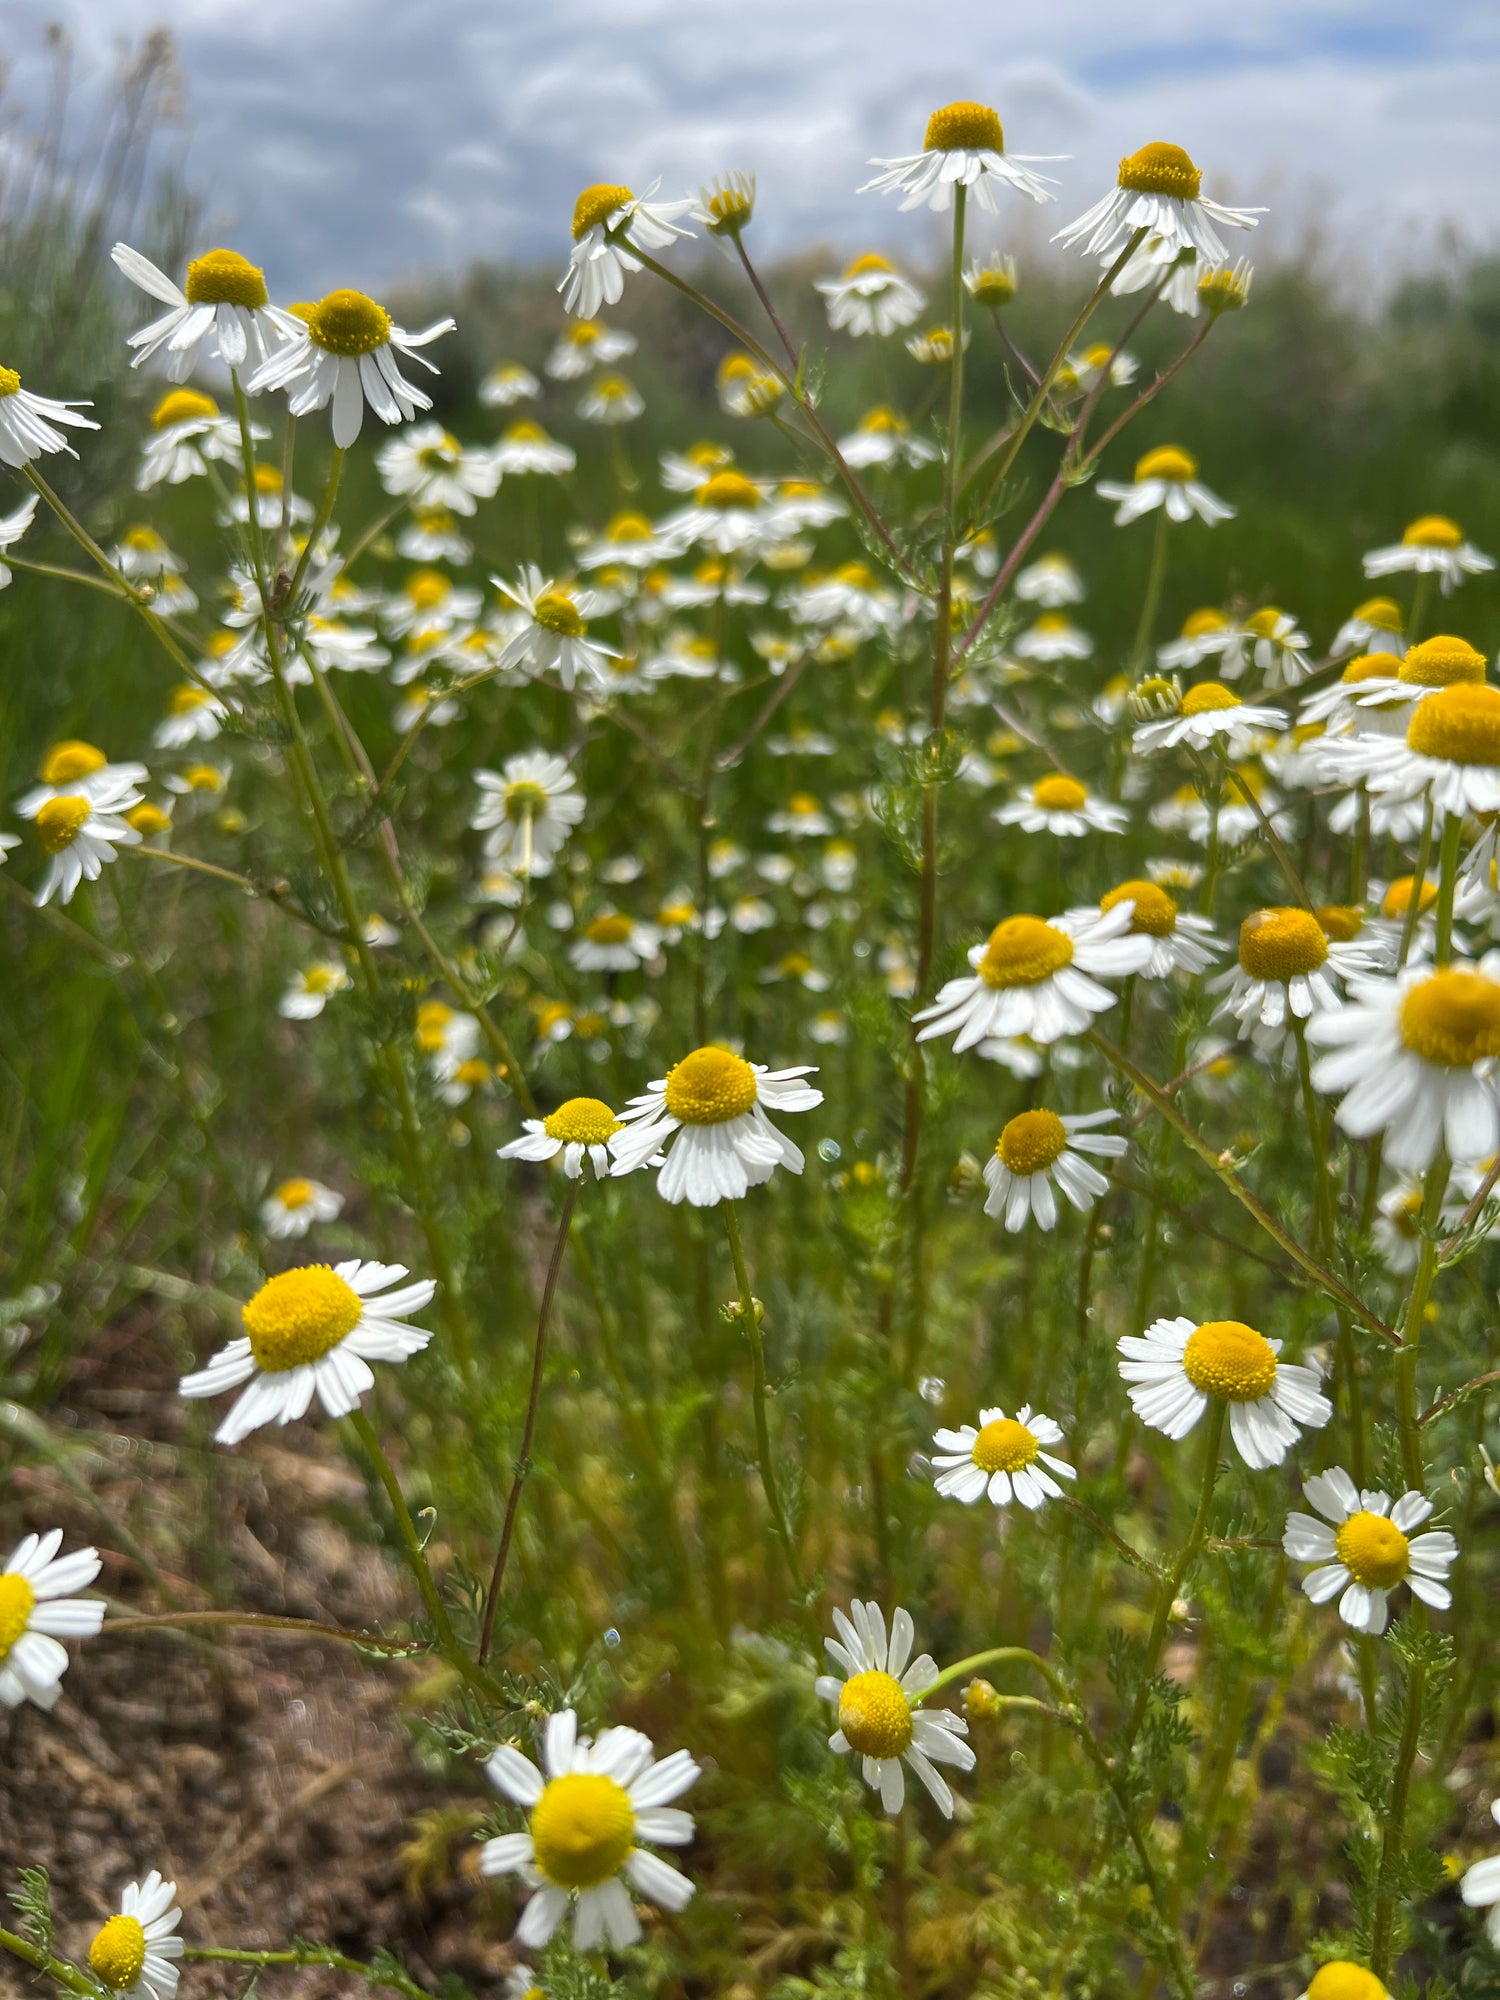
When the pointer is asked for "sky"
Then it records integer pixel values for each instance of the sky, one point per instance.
(363, 142)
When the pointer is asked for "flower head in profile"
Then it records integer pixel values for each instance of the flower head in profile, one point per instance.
(1037, 977)
(579, 1130)
(135, 1952)
(508, 382)
(1480, 1887)
(613, 942)
(1449, 751)
(594, 1812)
(707, 1118)
(608, 220)
(727, 205)
(309, 991)
(1377, 625)
(1180, 940)
(348, 352)
(313, 1331)
(1158, 190)
(1270, 641)
(1060, 805)
(964, 147)
(1003, 1456)
(871, 297)
(1051, 581)
(80, 831)
(584, 344)
(879, 1721)
(189, 433)
(222, 313)
(292, 1207)
(1040, 1149)
(884, 437)
(1166, 477)
(1364, 1548)
(37, 1612)
(28, 426)
(1431, 546)
(1177, 1366)
(1289, 969)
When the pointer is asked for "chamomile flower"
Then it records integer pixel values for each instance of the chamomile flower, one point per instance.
(1289, 969)
(224, 311)
(80, 831)
(1204, 635)
(1060, 805)
(991, 281)
(1480, 1887)
(309, 991)
(507, 383)
(728, 513)
(586, 344)
(189, 434)
(1177, 1365)
(348, 353)
(1100, 362)
(525, 447)
(707, 1116)
(607, 221)
(1166, 477)
(28, 422)
(615, 943)
(75, 766)
(1053, 637)
(884, 437)
(194, 715)
(1413, 1056)
(1034, 977)
(12, 528)
(1342, 1979)
(964, 146)
(1431, 546)
(1368, 1550)
(1270, 641)
(1037, 1148)
(1376, 626)
(871, 297)
(1180, 940)
(1450, 753)
(1210, 714)
(1051, 581)
(1158, 189)
(292, 1207)
(579, 1130)
(36, 1612)
(802, 817)
(611, 399)
(879, 1721)
(1160, 266)
(555, 632)
(528, 810)
(1003, 1456)
(428, 461)
(594, 1812)
(135, 1952)
(313, 1331)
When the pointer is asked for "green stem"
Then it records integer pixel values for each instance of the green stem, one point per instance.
(59, 1969)
(261, 1621)
(750, 1321)
(1408, 1421)
(1172, 1586)
(1382, 1947)
(1151, 601)
(389, 1974)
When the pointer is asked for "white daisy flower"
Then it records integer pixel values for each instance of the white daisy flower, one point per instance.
(292, 1207)
(309, 991)
(1004, 1457)
(611, 399)
(528, 810)
(1013, 1053)
(224, 313)
(1033, 977)
(1059, 805)
(1180, 940)
(428, 460)
(507, 383)
(592, 1821)
(1053, 637)
(1341, 707)
(1480, 1887)
(347, 354)
(1189, 813)
(429, 602)
(1376, 626)
(1270, 641)
(431, 536)
(1204, 635)
(74, 766)
(194, 715)
(312, 1330)
(1176, 1365)
(1037, 1148)
(707, 1116)
(80, 831)
(871, 297)
(586, 344)
(1414, 1057)
(1288, 970)
(607, 220)
(802, 817)
(1051, 581)
(134, 1954)
(28, 423)
(964, 146)
(555, 633)
(1153, 259)
(615, 943)
(1391, 685)
(991, 281)
(1450, 753)
(884, 437)
(729, 513)
(629, 541)
(36, 1612)
(1166, 477)
(1368, 1551)
(12, 528)
(1159, 190)
(879, 1720)
(579, 1129)
(1431, 546)
(189, 434)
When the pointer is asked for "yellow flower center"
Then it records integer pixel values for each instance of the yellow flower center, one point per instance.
(556, 612)
(185, 699)
(1161, 168)
(870, 262)
(1460, 723)
(59, 822)
(582, 1121)
(1453, 1018)
(180, 406)
(474, 1072)
(609, 930)
(1169, 462)
(597, 204)
(349, 323)
(1155, 913)
(1368, 667)
(1059, 794)
(1023, 951)
(267, 480)
(1004, 1446)
(16, 1600)
(1280, 944)
(1373, 1550)
(1397, 898)
(1031, 1142)
(295, 1194)
(874, 1714)
(524, 431)
(728, 489)
(1382, 612)
(709, 1087)
(204, 778)
(299, 1315)
(147, 819)
(730, 207)
(1263, 623)
(1227, 1359)
(1442, 662)
(10, 382)
(993, 284)
(1198, 624)
(1340, 921)
(964, 127)
(225, 278)
(119, 1950)
(1342, 1979)
(583, 1827)
(427, 588)
(1207, 698)
(67, 761)
(1433, 531)
(628, 527)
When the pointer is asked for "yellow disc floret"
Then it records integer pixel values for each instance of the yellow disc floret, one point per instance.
(295, 1194)
(628, 526)
(66, 762)
(1281, 944)
(1397, 899)
(582, 1827)
(1342, 1979)
(225, 278)
(1004, 1446)
(874, 1714)
(1031, 1142)
(1155, 913)
(1452, 1018)
(611, 929)
(1442, 661)
(1384, 613)
(1460, 724)
(1227, 1359)
(299, 1315)
(1368, 667)
(727, 489)
(581, 1121)
(10, 382)
(147, 819)
(556, 612)
(118, 1952)
(1433, 531)
(1059, 794)
(1198, 624)
(1207, 698)
(1263, 623)
(60, 821)
(964, 127)
(597, 204)
(16, 1601)
(1161, 168)
(709, 1087)
(1023, 951)
(181, 406)
(1340, 922)
(1169, 462)
(869, 265)
(349, 324)
(1373, 1550)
